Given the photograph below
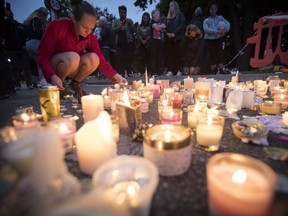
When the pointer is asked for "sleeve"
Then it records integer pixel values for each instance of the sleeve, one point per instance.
(207, 28)
(227, 23)
(46, 51)
(104, 66)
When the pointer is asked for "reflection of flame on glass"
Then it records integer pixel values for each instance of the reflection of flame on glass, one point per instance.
(125, 99)
(167, 136)
(209, 119)
(63, 128)
(126, 192)
(239, 176)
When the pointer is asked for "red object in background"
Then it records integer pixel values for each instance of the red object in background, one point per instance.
(270, 22)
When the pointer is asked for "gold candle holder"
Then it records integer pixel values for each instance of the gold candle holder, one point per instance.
(169, 148)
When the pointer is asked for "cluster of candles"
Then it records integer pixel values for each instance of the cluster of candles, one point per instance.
(167, 146)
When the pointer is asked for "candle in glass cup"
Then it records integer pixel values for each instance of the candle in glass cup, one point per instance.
(171, 116)
(177, 100)
(128, 181)
(25, 120)
(194, 112)
(169, 148)
(269, 107)
(188, 83)
(209, 132)
(239, 185)
(107, 102)
(202, 89)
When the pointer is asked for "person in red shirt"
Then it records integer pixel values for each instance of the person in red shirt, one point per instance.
(69, 49)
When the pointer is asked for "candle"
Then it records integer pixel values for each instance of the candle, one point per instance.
(155, 89)
(94, 143)
(91, 106)
(239, 185)
(177, 99)
(144, 106)
(115, 127)
(169, 148)
(209, 132)
(247, 99)
(269, 107)
(107, 102)
(282, 99)
(66, 128)
(25, 120)
(216, 94)
(202, 91)
(171, 116)
(194, 111)
(285, 118)
(188, 83)
(128, 181)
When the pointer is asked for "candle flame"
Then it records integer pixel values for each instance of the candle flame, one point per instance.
(63, 128)
(131, 190)
(239, 176)
(196, 108)
(104, 92)
(167, 136)
(125, 99)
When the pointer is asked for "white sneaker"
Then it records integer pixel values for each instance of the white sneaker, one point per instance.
(43, 82)
(169, 73)
(179, 73)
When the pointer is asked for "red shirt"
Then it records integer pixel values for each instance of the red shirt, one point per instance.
(60, 37)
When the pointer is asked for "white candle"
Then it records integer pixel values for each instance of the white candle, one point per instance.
(202, 89)
(91, 106)
(188, 83)
(216, 94)
(209, 132)
(248, 99)
(94, 143)
(239, 185)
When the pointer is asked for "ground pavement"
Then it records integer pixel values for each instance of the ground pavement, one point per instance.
(29, 97)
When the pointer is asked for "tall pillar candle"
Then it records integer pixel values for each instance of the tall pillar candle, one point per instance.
(91, 106)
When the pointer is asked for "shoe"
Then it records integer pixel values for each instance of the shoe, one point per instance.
(169, 73)
(179, 73)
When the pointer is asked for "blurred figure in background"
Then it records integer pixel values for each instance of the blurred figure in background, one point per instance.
(157, 43)
(175, 30)
(215, 27)
(124, 30)
(143, 36)
(35, 25)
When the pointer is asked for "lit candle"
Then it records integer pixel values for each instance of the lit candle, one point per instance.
(91, 105)
(107, 102)
(248, 99)
(155, 89)
(216, 94)
(188, 83)
(169, 148)
(202, 88)
(269, 107)
(25, 120)
(209, 132)
(66, 127)
(171, 116)
(94, 143)
(193, 113)
(128, 181)
(239, 185)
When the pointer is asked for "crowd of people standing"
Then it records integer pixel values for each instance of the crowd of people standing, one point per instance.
(161, 44)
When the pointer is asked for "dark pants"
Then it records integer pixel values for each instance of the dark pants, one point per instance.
(215, 50)
(144, 53)
(125, 54)
(173, 57)
(156, 57)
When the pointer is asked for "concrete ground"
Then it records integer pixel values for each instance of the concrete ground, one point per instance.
(27, 97)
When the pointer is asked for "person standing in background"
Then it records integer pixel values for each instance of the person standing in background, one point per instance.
(143, 36)
(175, 30)
(215, 27)
(34, 26)
(157, 43)
(124, 30)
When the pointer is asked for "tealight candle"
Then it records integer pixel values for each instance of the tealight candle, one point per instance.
(239, 185)
(209, 132)
(194, 111)
(171, 116)
(169, 148)
(155, 89)
(25, 120)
